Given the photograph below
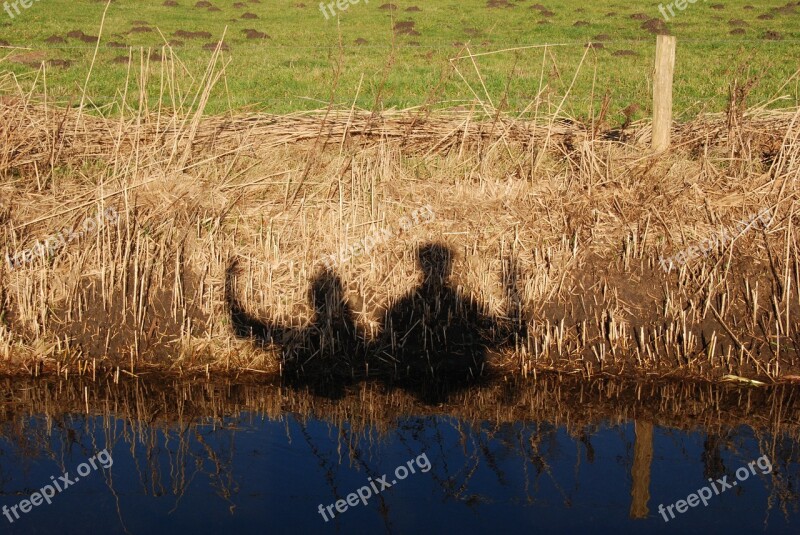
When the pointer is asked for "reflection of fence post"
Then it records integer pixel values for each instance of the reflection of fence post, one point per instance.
(640, 472)
(662, 91)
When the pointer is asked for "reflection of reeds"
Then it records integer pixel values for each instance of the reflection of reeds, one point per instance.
(519, 420)
(562, 400)
(555, 225)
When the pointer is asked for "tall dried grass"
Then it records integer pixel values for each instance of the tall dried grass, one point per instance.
(582, 212)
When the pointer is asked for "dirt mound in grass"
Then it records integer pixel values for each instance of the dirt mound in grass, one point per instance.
(30, 59)
(656, 26)
(62, 63)
(405, 28)
(213, 46)
(184, 34)
(78, 34)
(255, 34)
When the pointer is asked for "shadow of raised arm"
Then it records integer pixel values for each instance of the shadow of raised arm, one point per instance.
(244, 324)
(326, 353)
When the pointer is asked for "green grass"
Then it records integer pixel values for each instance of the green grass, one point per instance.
(295, 69)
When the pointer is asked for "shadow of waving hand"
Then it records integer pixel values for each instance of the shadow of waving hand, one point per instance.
(326, 354)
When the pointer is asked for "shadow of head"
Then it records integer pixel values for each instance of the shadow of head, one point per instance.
(327, 295)
(436, 262)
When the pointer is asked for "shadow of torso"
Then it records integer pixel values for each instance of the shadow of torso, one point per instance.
(435, 332)
(435, 339)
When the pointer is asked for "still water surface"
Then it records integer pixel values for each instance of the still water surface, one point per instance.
(185, 461)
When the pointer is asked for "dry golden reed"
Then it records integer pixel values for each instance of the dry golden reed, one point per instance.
(554, 224)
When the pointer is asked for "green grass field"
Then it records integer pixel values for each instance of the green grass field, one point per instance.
(401, 58)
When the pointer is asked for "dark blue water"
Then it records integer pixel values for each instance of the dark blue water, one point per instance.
(252, 473)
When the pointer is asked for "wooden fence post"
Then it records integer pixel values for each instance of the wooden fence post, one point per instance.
(662, 91)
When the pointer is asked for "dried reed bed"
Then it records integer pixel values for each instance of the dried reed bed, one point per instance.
(42, 133)
(553, 222)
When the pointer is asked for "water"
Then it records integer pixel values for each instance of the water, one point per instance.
(546, 457)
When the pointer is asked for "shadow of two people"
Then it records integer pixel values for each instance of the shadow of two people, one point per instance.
(432, 341)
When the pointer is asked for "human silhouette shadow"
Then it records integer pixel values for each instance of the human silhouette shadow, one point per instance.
(326, 355)
(436, 339)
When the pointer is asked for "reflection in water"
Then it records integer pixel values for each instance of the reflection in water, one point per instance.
(640, 473)
(713, 465)
(553, 455)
